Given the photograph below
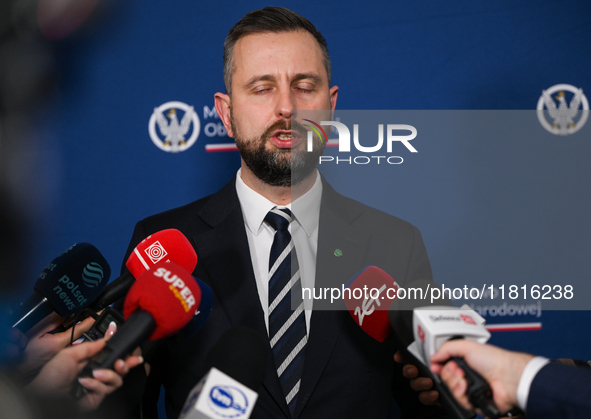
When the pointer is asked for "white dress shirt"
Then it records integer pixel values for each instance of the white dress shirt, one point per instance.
(303, 228)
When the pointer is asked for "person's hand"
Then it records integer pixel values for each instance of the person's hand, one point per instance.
(60, 373)
(502, 369)
(43, 346)
(423, 385)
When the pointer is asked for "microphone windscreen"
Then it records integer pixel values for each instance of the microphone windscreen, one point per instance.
(242, 354)
(169, 293)
(166, 245)
(74, 279)
(367, 298)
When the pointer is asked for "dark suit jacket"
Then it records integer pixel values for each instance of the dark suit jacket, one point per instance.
(346, 373)
(560, 391)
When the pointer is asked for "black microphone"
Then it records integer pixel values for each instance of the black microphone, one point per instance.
(69, 284)
(434, 325)
(235, 368)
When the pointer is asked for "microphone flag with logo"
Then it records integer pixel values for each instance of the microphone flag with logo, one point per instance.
(159, 304)
(69, 284)
(367, 297)
(235, 368)
(166, 245)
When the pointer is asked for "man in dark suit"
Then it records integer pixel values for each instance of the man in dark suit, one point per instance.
(541, 388)
(276, 62)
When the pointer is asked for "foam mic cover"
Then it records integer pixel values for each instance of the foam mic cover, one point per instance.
(168, 293)
(240, 353)
(169, 245)
(367, 299)
(159, 304)
(166, 245)
(195, 324)
(67, 285)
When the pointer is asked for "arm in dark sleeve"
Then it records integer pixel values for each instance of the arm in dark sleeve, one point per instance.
(560, 391)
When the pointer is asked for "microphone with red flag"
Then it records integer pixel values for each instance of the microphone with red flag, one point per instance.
(372, 310)
(368, 296)
(166, 245)
(159, 304)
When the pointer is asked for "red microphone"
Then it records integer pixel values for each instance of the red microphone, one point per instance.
(368, 297)
(168, 245)
(169, 294)
(159, 304)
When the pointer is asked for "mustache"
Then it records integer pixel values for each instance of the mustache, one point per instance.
(285, 125)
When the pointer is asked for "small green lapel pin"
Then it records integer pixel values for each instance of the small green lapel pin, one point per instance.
(338, 252)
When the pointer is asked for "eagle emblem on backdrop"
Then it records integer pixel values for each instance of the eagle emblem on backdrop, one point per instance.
(174, 127)
(563, 109)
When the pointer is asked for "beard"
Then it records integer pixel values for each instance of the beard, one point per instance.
(281, 166)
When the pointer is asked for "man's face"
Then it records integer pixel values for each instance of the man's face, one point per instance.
(274, 75)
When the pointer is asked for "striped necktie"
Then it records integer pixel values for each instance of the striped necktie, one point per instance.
(287, 327)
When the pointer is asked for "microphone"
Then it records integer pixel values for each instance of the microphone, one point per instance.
(236, 368)
(166, 245)
(195, 324)
(367, 304)
(170, 245)
(67, 285)
(161, 302)
(427, 328)
(364, 295)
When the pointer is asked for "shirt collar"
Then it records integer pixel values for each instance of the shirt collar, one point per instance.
(305, 209)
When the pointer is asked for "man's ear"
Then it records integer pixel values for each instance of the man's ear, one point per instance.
(334, 92)
(222, 106)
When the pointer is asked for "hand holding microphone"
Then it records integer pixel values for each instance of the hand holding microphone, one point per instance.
(370, 311)
(501, 368)
(159, 304)
(59, 375)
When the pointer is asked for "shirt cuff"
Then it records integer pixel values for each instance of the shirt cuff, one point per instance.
(528, 375)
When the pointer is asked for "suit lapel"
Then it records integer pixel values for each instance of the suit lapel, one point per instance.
(223, 250)
(335, 234)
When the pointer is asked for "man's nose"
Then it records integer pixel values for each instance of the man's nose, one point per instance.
(285, 104)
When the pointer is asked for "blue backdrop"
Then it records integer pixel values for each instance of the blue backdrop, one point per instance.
(99, 171)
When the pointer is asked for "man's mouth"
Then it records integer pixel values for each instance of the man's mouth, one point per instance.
(285, 139)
